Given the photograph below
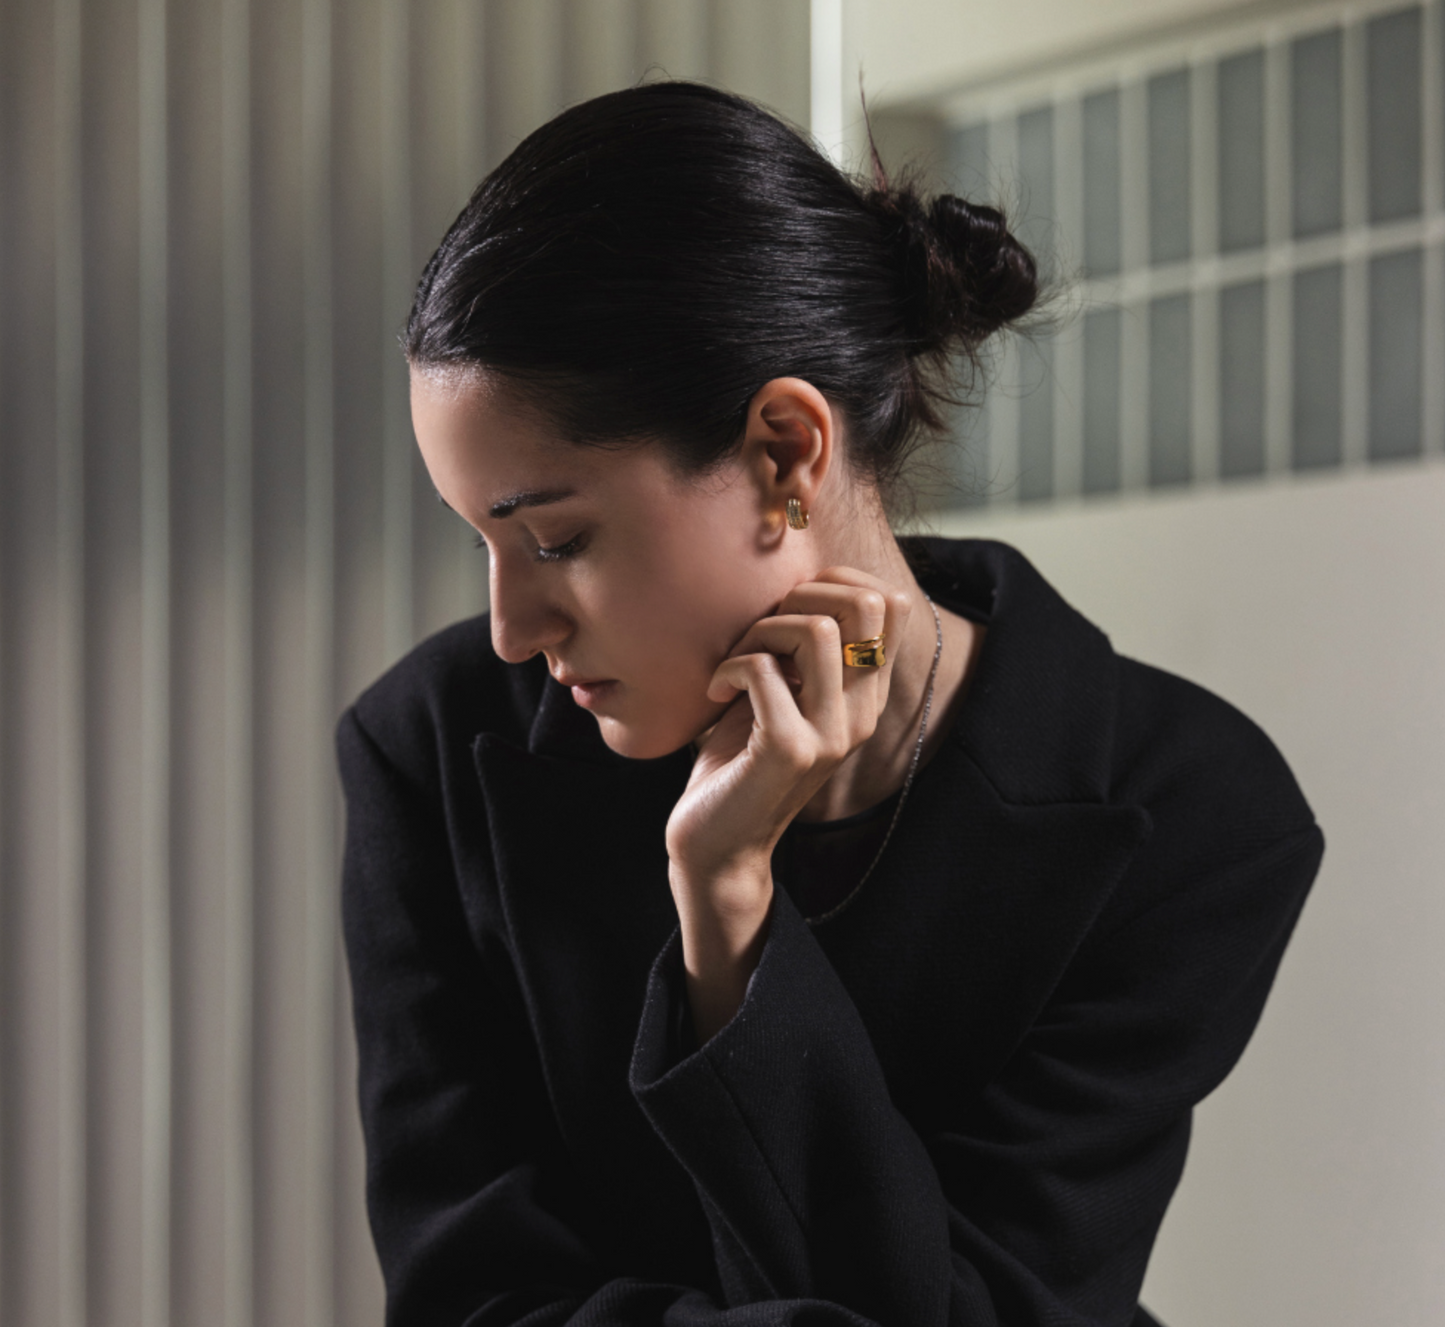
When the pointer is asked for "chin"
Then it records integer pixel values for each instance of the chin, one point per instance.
(649, 741)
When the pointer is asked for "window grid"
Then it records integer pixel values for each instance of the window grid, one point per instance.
(1215, 231)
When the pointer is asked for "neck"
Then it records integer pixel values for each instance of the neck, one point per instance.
(876, 769)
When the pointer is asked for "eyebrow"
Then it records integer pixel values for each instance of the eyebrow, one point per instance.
(530, 498)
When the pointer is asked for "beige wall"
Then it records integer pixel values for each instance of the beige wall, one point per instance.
(1315, 1191)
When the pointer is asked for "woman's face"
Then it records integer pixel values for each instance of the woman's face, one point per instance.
(633, 580)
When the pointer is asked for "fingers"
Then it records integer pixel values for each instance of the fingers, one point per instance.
(857, 613)
(814, 646)
(805, 701)
(863, 605)
(778, 721)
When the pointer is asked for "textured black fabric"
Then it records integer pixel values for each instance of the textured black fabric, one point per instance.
(963, 1100)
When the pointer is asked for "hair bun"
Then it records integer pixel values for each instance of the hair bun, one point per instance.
(964, 273)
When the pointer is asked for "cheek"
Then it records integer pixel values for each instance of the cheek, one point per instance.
(664, 650)
(696, 598)
(667, 638)
(684, 589)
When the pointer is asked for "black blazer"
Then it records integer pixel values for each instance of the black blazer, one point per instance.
(963, 1100)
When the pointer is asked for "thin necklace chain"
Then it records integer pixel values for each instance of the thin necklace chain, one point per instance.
(907, 779)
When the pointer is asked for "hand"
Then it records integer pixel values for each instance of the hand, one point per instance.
(796, 713)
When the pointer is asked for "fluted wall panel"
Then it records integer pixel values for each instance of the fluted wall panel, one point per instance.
(214, 531)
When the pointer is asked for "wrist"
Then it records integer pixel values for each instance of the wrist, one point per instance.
(738, 889)
(721, 916)
(723, 923)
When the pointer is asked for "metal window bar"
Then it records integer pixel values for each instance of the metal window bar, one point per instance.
(1390, 149)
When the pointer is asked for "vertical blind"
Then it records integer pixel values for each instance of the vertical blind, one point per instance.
(213, 532)
(1245, 229)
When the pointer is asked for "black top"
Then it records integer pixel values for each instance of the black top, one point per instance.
(963, 1100)
(822, 862)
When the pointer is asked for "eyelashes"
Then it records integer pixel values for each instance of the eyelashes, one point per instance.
(557, 553)
(561, 552)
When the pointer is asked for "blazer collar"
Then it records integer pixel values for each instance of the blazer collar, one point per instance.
(1039, 716)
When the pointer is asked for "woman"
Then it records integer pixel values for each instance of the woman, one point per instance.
(759, 919)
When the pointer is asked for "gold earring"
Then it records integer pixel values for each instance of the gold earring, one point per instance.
(797, 517)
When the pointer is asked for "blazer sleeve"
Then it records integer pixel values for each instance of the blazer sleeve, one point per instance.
(1040, 1200)
(1036, 1204)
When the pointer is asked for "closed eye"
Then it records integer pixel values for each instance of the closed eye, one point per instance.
(561, 552)
(557, 553)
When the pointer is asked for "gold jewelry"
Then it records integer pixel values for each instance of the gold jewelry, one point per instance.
(797, 517)
(865, 653)
(908, 778)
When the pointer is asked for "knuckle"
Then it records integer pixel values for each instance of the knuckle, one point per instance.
(862, 723)
(873, 603)
(824, 631)
(793, 754)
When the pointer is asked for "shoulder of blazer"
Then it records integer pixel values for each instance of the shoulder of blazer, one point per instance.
(1220, 796)
(1174, 738)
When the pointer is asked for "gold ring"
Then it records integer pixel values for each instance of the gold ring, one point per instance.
(864, 653)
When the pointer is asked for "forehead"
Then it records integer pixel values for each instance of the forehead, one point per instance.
(483, 444)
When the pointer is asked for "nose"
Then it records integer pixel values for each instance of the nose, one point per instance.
(525, 620)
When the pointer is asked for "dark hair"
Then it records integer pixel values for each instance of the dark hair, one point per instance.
(643, 263)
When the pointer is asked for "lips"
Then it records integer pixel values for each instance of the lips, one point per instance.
(587, 691)
(590, 694)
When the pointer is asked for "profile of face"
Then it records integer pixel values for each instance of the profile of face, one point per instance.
(633, 579)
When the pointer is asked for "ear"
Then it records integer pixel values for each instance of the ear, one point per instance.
(789, 443)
